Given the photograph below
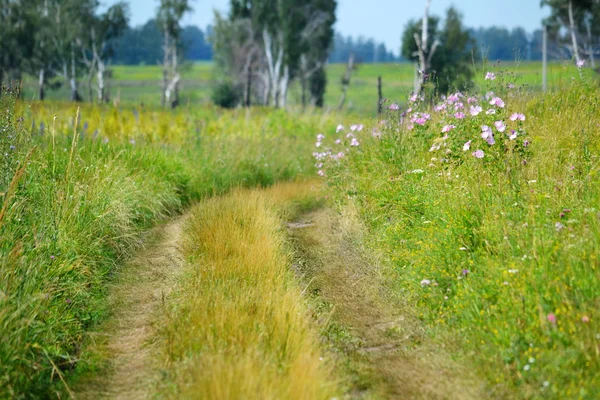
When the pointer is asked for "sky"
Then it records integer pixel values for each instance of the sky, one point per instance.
(383, 20)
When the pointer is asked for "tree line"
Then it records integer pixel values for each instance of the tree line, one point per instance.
(260, 47)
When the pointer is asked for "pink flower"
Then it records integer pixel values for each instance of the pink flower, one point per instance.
(526, 143)
(356, 128)
(513, 135)
(478, 154)
(552, 318)
(517, 116)
(321, 172)
(318, 144)
(472, 100)
(580, 63)
(394, 107)
(490, 111)
(585, 319)
(434, 147)
(425, 282)
(490, 76)
(338, 141)
(354, 142)
(486, 131)
(475, 110)
(448, 128)
(500, 126)
(459, 115)
(467, 146)
(459, 106)
(349, 135)
(339, 128)
(497, 101)
(320, 137)
(439, 107)
(413, 98)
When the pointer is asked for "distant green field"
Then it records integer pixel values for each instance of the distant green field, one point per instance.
(141, 84)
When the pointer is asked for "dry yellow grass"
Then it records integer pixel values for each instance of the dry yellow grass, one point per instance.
(237, 327)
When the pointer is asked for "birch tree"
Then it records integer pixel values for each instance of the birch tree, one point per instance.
(169, 16)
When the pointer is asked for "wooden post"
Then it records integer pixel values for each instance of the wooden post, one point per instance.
(416, 82)
(379, 96)
(545, 58)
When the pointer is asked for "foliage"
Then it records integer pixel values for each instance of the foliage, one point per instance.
(451, 62)
(225, 94)
(496, 255)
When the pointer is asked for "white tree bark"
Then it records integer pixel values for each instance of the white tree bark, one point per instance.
(424, 52)
(573, 33)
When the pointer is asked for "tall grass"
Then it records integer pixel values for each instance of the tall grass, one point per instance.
(80, 203)
(247, 334)
(498, 256)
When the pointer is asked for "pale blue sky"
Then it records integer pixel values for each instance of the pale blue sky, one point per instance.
(383, 20)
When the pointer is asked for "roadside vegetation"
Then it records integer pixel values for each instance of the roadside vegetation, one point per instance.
(486, 205)
(80, 188)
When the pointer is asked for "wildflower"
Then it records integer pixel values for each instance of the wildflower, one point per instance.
(471, 100)
(580, 63)
(339, 128)
(459, 106)
(321, 172)
(394, 107)
(320, 137)
(513, 135)
(439, 107)
(526, 143)
(319, 165)
(376, 133)
(517, 116)
(559, 226)
(448, 128)
(500, 126)
(486, 131)
(318, 144)
(511, 86)
(526, 367)
(350, 135)
(417, 171)
(489, 95)
(585, 319)
(467, 146)
(413, 98)
(354, 143)
(434, 147)
(490, 111)
(490, 76)
(552, 318)
(459, 115)
(52, 257)
(465, 272)
(359, 127)
(12, 147)
(68, 301)
(497, 101)
(475, 110)
(478, 154)
(513, 271)
(425, 282)
(338, 141)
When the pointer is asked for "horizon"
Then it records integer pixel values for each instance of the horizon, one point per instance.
(352, 14)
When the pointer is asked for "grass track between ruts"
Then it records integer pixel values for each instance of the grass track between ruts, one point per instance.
(237, 327)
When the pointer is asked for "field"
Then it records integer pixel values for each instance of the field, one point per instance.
(202, 253)
(141, 84)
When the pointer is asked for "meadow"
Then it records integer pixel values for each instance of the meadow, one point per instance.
(447, 249)
(134, 85)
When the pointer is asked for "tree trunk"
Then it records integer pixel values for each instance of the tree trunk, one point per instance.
(588, 26)
(100, 77)
(248, 93)
(303, 84)
(73, 79)
(41, 81)
(174, 76)
(283, 87)
(572, 29)
(165, 80)
(346, 80)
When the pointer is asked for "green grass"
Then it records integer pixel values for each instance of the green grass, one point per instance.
(141, 84)
(79, 205)
(508, 244)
